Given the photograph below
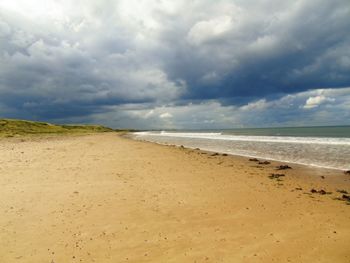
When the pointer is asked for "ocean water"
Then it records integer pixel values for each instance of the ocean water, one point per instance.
(327, 147)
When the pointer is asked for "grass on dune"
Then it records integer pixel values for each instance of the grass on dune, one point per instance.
(11, 127)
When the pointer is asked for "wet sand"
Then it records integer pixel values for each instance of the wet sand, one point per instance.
(105, 198)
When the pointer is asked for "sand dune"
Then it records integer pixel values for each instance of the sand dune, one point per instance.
(104, 198)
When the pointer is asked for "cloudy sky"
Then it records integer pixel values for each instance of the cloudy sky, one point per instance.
(176, 63)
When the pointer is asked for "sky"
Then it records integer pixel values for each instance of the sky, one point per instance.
(180, 64)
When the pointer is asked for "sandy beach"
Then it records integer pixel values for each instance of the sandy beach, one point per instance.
(105, 198)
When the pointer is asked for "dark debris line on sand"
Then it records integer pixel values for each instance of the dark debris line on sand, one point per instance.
(283, 167)
(321, 192)
(264, 162)
(276, 176)
(345, 197)
(258, 161)
(280, 167)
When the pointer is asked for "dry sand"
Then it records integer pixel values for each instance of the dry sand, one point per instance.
(104, 198)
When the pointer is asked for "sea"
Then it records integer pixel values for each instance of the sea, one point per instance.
(327, 147)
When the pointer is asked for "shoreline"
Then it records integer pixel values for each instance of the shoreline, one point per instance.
(309, 171)
(129, 136)
(106, 198)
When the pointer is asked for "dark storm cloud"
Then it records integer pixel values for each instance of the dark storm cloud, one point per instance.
(63, 63)
(301, 46)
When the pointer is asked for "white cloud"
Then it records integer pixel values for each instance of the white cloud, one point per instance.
(5, 30)
(284, 111)
(210, 29)
(165, 115)
(264, 44)
(256, 106)
(313, 102)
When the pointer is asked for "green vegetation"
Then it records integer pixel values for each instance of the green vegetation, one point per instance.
(10, 128)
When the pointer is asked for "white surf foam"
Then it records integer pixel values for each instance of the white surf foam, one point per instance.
(271, 139)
